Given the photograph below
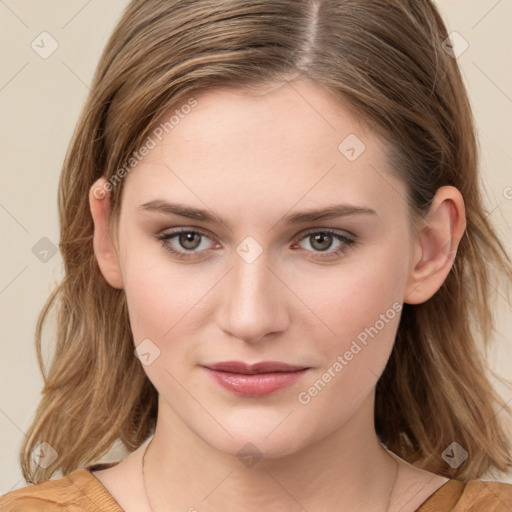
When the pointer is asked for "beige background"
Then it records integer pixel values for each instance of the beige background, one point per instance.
(40, 100)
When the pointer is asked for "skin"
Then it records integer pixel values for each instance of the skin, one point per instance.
(253, 159)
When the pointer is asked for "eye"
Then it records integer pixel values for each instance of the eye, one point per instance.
(187, 239)
(322, 241)
(189, 242)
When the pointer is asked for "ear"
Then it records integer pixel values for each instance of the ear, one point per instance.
(435, 245)
(104, 248)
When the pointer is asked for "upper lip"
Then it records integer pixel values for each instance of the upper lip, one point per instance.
(246, 368)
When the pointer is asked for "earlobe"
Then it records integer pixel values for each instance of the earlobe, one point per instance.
(435, 246)
(104, 248)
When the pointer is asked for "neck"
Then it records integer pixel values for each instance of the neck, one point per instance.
(347, 470)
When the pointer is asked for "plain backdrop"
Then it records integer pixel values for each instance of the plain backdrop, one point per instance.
(41, 95)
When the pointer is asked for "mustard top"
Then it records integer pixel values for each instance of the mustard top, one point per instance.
(81, 491)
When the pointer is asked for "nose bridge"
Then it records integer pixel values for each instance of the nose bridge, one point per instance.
(251, 276)
(252, 304)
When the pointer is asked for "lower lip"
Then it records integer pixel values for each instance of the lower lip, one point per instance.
(261, 384)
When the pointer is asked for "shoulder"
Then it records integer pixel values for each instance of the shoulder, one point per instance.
(77, 492)
(486, 495)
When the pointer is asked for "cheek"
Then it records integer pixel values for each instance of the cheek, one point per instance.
(352, 296)
(166, 303)
(158, 298)
(363, 309)
(157, 292)
(361, 303)
(159, 306)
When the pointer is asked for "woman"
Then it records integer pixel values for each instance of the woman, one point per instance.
(278, 267)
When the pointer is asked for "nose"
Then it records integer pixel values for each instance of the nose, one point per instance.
(254, 300)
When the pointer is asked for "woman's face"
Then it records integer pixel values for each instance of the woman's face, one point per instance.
(266, 283)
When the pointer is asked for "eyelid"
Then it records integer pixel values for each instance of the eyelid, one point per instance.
(172, 232)
(186, 229)
(310, 231)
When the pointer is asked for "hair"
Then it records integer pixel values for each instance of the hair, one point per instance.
(384, 59)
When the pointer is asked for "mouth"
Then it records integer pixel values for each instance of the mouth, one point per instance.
(256, 380)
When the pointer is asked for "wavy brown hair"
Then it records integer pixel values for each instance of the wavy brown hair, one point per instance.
(382, 58)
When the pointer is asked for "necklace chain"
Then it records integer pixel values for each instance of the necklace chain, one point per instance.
(143, 479)
(152, 510)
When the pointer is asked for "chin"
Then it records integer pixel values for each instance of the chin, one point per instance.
(253, 442)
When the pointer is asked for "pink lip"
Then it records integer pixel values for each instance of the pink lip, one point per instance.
(258, 379)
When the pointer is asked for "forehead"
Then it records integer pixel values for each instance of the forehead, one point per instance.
(289, 145)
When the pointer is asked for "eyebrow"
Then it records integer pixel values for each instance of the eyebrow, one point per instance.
(200, 214)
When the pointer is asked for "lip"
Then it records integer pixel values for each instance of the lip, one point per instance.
(255, 368)
(258, 379)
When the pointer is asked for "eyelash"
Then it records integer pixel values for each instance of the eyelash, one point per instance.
(347, 242)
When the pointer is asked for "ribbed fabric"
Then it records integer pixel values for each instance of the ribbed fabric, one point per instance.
(470, 496)
(445, 498)
(81, 491)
